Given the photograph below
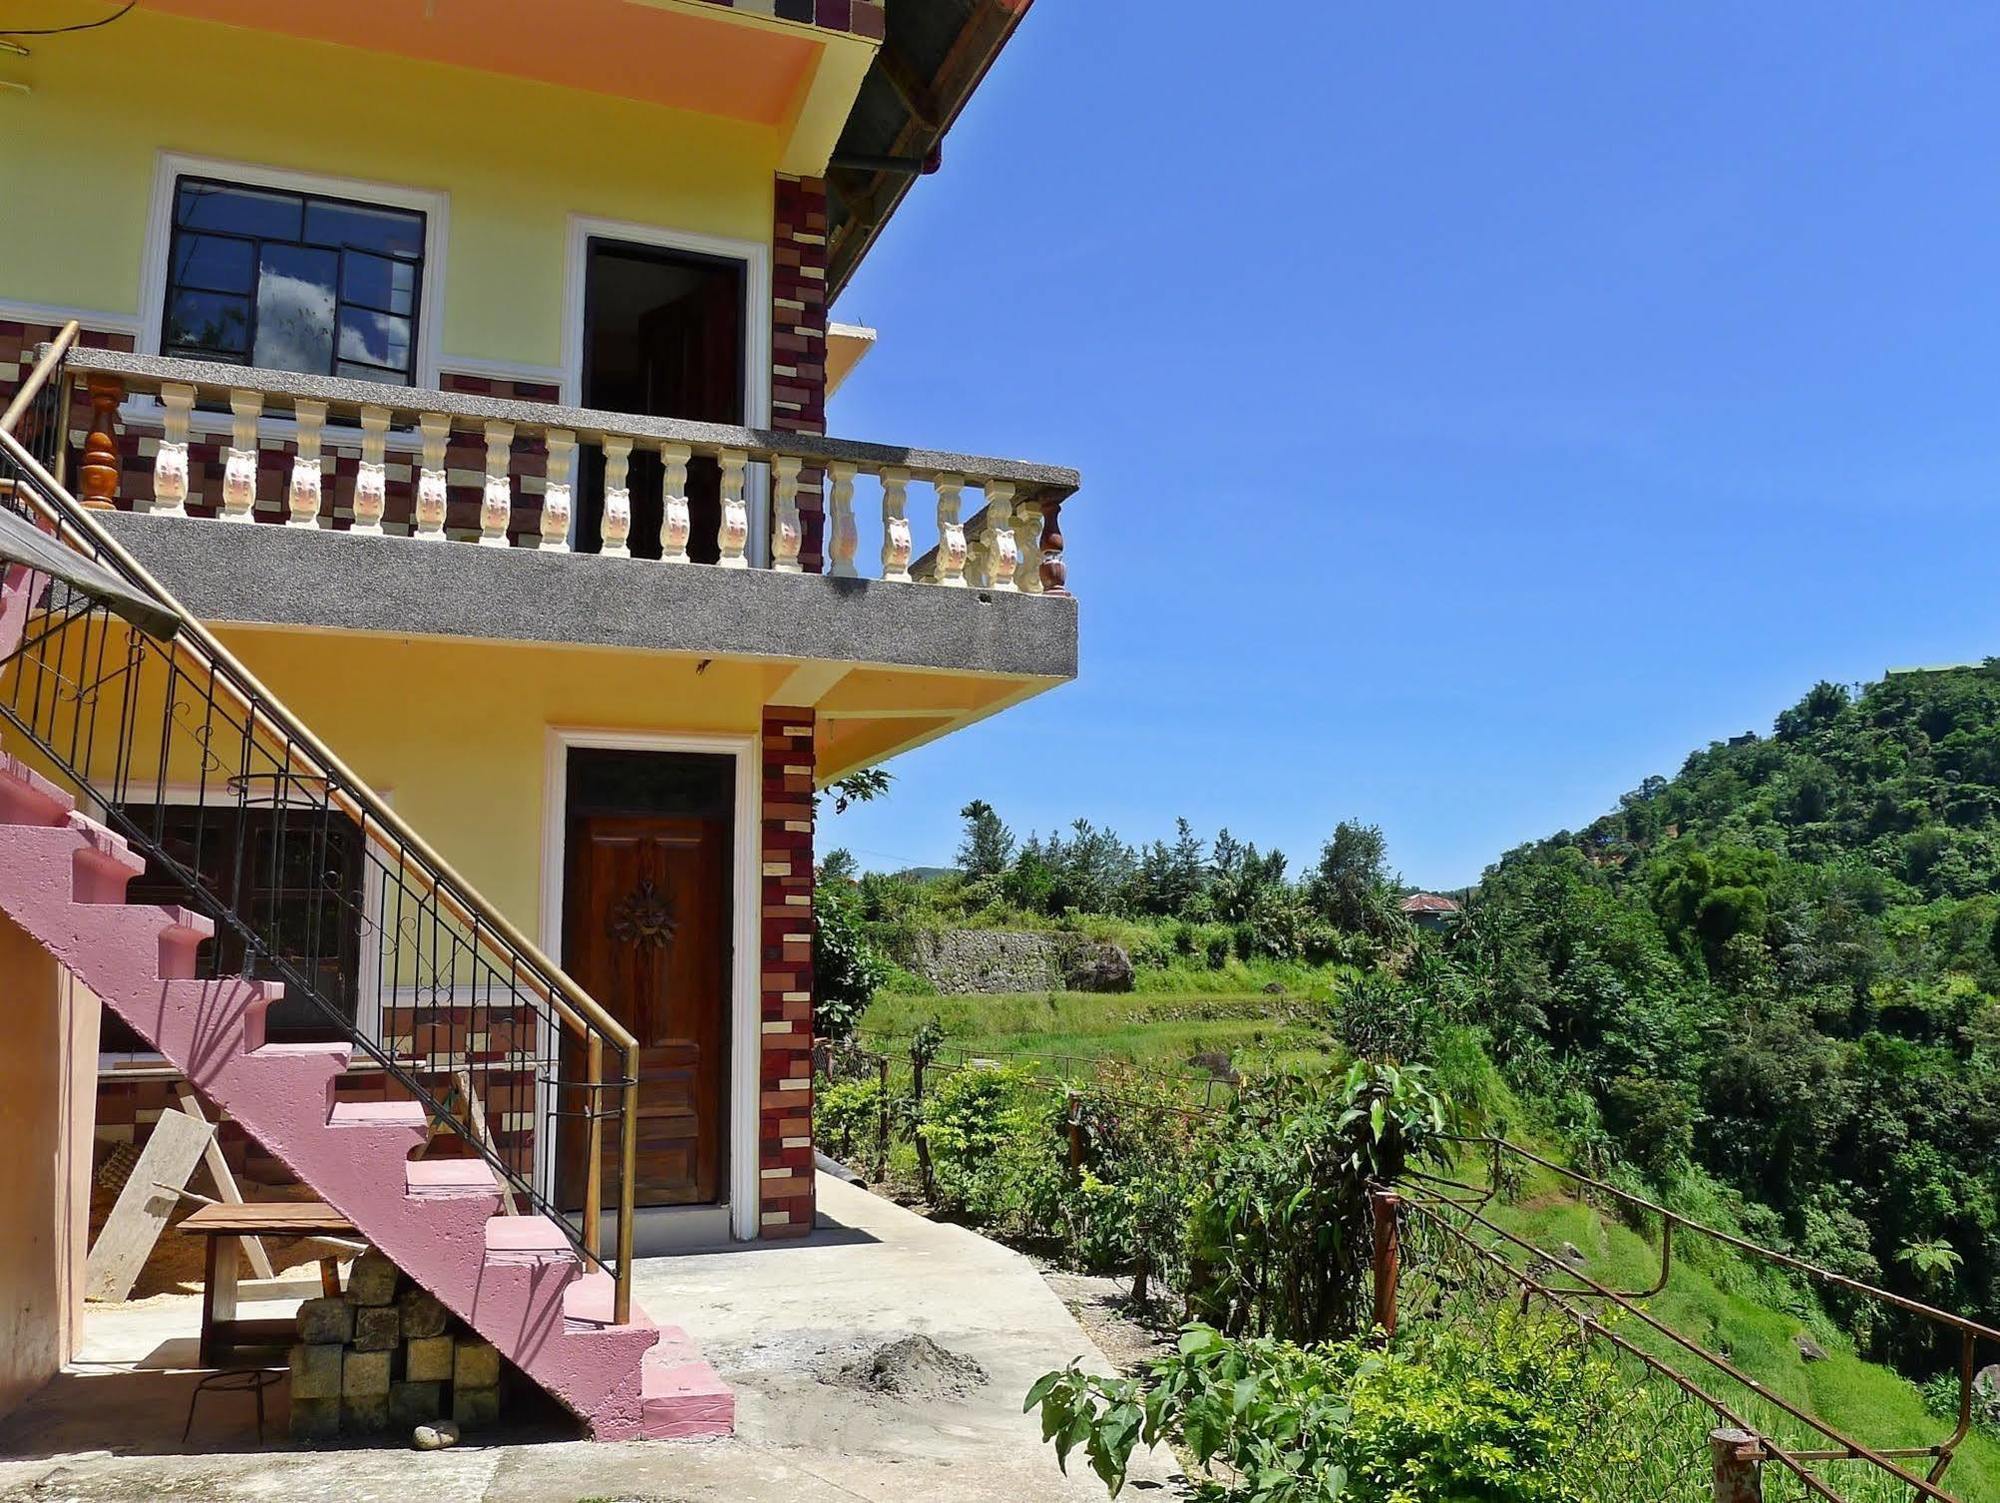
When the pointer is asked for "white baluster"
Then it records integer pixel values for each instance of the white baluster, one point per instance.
(1002, 555)
(843, 537)
(733, 535)
(787, 534)
(239, 460)
(895, 526)
(556, 492)
(617, 523)
(951, 533)
(1028, 539)
(675, 524)
(371, 478)
(170, 464)
(433, 488)
(496, 501)
(302, 496)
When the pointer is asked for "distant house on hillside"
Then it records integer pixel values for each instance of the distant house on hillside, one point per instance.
(1429, 911)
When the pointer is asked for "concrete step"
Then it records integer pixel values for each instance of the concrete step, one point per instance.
(527, 1240)
(450, 1179)
(28, 798)
(681, 1396)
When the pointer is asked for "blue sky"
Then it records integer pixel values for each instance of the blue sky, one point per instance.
(1479, 406)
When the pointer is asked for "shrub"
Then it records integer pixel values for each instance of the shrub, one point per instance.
(995, 1142)
(1279, 1216)
(846, 969)
(1516, 1413)
(846, 1114)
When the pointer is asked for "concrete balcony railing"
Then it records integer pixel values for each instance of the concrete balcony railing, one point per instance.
(783, 502)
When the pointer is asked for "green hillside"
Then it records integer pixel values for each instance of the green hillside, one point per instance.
(1778, 969)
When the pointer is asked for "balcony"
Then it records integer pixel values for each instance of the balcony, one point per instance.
(403, 511)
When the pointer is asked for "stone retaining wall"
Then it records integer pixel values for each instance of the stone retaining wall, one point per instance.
(1005, 960)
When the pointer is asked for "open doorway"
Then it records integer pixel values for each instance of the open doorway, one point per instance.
(664, 335)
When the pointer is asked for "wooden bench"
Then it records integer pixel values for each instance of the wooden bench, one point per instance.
(226, 1227)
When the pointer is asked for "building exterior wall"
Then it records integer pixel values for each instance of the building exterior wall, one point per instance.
(457, 735)
(515, 159)
(48, 1059)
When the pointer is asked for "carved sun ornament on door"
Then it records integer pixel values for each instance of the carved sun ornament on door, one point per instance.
(645, 917)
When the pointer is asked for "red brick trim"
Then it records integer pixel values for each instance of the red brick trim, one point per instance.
(861, 18)
(784, 1118)
(798, 338)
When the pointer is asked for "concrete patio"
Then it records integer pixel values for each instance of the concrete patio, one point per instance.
(834, 1399)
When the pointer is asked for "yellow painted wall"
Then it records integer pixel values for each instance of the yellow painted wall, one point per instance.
(456, 733)
(48, 1082)
(77, 158)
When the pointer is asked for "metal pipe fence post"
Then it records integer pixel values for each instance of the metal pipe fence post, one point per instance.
(882, 1129)
(917, 1117)
(1388, 1257)
(1739, 1471)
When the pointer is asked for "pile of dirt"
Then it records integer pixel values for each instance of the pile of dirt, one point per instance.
(914, 1368)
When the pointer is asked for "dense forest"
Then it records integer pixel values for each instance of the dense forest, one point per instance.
(1767, 987)
(1780, 968)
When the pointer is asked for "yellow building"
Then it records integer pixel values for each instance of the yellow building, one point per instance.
(495, 742)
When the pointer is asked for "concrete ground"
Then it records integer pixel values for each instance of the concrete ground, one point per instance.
(885, 1357)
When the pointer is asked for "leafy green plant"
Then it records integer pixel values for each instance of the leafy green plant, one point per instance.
(846, 1114)
(1520, 1414)
(1278, 1225)
(994, 1142)
(846, 969)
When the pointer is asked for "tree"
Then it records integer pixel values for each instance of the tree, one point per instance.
(839, 866)
(1350, 886)
(988, 845)
(1173, 878)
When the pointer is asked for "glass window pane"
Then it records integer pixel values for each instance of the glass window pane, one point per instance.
(354, 370)
(241, 211)
(295, 309)
(212, 263)
(378, 281)
(208, 322)
(378, 338)
(388, 231)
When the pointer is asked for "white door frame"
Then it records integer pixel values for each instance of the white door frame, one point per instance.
(756, 259)
(745, 1012)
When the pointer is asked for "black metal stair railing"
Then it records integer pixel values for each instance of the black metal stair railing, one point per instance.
(310, 879)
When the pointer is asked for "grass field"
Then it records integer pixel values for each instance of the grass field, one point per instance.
(1712, 1298)
(1068, 1029)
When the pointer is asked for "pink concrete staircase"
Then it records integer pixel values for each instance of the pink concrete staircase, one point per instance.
(517, 1280)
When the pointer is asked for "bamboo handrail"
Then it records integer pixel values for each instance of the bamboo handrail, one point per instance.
(39, 376)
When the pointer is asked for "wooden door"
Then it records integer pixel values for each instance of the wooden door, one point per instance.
(646, 916)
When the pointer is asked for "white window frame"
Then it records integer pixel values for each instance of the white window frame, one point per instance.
(746, 1033)
(117, 1063)
(756, 258)
(171, 166)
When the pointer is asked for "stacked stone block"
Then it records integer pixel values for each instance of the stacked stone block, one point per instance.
(387, 1356)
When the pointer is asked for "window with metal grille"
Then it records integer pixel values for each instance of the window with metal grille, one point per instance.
(293, 282)
(296, 880)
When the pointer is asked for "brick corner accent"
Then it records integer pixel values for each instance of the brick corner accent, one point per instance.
(798, 338)
(785, 977)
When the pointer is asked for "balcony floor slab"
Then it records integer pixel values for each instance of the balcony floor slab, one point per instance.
(268, 575)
